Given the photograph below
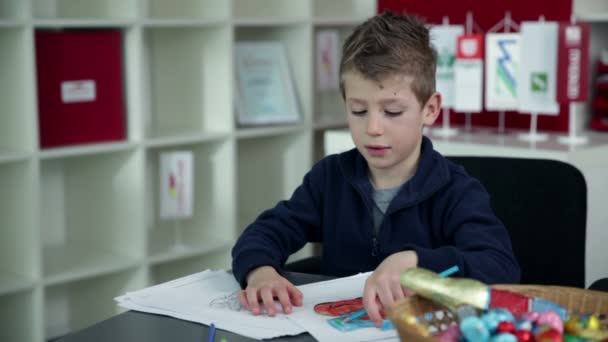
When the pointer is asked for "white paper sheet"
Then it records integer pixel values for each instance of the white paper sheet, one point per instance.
(208, 297)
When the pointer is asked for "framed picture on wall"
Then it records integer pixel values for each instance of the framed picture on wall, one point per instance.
(264, 91)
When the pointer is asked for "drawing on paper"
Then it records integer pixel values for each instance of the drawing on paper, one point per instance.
(342, 309)
(230, 302)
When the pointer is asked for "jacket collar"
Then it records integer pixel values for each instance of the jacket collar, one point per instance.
(432, 174)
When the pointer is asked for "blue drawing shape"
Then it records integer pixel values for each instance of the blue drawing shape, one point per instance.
(356, 324)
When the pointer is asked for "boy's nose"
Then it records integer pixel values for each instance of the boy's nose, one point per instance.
(374, 125)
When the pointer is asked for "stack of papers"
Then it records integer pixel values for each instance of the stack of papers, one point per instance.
(208, 297)
(211, 297)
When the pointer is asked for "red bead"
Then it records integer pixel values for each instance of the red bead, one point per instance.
(550, 335)
(505, 327)
(523, 335)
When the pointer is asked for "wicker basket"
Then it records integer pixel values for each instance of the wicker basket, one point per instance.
(416, 317)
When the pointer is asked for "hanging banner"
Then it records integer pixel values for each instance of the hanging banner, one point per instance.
(502, 61)
(468, 74)
(443, 38)
(573, 62)
(538, 71)
(176, 184)
(328, 60)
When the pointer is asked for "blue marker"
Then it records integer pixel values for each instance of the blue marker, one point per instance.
(449, 271)
(211, 336)
(355, 315)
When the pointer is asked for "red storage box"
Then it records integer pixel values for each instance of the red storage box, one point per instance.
(80, 87)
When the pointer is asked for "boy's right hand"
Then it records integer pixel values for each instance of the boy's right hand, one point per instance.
(264, 284)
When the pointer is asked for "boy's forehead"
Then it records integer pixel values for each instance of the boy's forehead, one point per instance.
(396, 81)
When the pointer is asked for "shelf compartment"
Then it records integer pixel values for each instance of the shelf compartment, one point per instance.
(269, 170)
(212, 222)
(190, 83)
(10, 157)
(11, 282)
(82, 23)
(297, 40)
(78, 9)
(91, 214)
(163, 272)
(12, 9)
(355, 9)
(18, 226)
(68, 263)
(186, 140)
(188, 9)
(249, 9)
(87, 149)
(17, 98)
(19, 314)
(76, 305)
(163, 248)
(266, 131)
(329, 107)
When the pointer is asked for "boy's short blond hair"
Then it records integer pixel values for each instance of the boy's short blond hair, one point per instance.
(389, 44)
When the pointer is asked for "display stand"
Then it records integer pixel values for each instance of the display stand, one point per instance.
(506, 24)
(470, 25)
(572, 139)
(533, 135)
(446, 131)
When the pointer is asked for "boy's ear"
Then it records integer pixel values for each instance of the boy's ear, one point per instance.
(431, 109)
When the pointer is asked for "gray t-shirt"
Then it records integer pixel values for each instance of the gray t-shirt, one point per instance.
(382, 199)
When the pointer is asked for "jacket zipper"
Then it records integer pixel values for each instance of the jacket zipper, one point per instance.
(375, 246)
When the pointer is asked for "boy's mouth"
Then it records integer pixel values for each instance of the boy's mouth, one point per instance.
(377, 150)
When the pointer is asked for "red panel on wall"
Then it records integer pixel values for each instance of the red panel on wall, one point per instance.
(487, 13)
(80, 87)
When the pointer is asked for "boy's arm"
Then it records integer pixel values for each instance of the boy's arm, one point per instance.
(479, 243)
(280, 231)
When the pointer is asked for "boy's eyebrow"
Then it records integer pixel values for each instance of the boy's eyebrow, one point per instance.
(382, 102)
(389, 101)
(359, 101)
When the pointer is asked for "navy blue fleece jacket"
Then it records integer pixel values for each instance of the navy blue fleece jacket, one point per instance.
(441, 213)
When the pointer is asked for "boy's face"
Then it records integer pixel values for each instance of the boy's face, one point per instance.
(386, 120)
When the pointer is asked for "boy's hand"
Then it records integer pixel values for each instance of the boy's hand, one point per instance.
(264, 284)
(383, 288)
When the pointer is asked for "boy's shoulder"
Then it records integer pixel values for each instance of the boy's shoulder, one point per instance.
(344, 163)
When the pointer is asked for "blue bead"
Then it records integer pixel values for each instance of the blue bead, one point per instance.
(474, 329)
(503, 337)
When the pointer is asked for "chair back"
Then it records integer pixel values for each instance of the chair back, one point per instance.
(543, 204)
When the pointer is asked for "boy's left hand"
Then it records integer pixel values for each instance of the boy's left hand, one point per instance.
(383, 288)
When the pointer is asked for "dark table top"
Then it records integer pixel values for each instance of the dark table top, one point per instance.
(133, 326)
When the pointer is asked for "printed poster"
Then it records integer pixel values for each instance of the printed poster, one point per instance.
(502, 71)
(538, 71)
(444, 38)
(468, 74)
(176, 184)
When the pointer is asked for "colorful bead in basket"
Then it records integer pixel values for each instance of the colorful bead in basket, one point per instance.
(551, 319)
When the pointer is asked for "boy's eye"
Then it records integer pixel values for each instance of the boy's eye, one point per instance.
(389, 113)
(358, 112)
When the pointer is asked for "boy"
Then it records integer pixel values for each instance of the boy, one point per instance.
(388, 205)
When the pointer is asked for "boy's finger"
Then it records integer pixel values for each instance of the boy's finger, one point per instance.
(295, 294)
(397, 291)
(243, 299)
(284, 300)
(268, 300)
(371, 306)
(386, 297)
(252, 300)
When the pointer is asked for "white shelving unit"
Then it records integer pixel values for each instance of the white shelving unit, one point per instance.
(80, 224)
